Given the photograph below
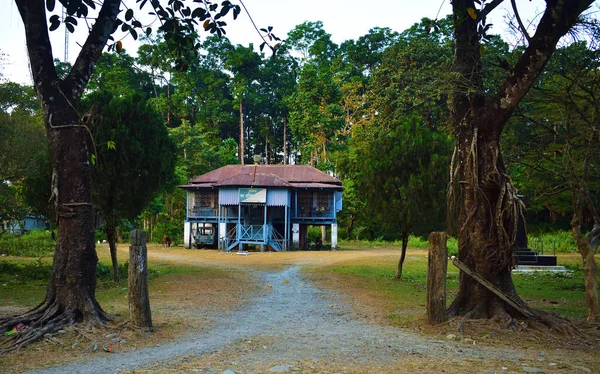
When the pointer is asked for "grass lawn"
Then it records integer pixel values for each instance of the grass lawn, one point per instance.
(372, 277)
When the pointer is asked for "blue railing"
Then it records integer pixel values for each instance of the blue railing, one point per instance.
(198, 211)
(252, 233)
(276, 240)
(259, 234)
(315, 213)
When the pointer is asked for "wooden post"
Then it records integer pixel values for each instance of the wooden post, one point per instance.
(139, 301)
(437, 267)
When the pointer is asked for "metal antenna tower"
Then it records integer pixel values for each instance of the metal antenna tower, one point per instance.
(64, 15)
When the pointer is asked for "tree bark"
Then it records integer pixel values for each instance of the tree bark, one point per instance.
(590, 277)
(112, 244)
(488, 206)
(241, 145)
(402, 255)
(285, 156)
(437, 268)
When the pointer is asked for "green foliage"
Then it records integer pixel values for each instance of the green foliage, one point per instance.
(201, 150)
(549, 242)
(22, 131)
(37, 243)
(170, 226)
(12, 209)
(23, 144)
(547, 142)
(141, 163)
(105, 272)
(116, 73)
(41, 270)
(99, 236)
(315, 114)
(413, 242)
(311, 41)
(399, 170)
(23, 159)
(35, 189)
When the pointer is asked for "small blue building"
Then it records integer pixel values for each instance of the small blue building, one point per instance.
(29, 223)
(267, 205)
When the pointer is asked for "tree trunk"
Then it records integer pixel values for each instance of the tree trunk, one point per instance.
(486, 232)
(285, 139)
(402, 255)
(112, 244)
(590, 276)
(488, 206)
(587, 251)
(350, 226)
(241, 146)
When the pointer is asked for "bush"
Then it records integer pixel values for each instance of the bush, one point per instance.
(418, 242)
(104, 272)
(561, 240)
(99, 236)
(37, 243)
(39, 270)
(169, 226)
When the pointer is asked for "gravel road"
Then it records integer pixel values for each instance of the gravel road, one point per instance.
(293, 322)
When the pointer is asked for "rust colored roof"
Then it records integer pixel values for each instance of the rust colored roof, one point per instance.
(302, 176)
(257, 179)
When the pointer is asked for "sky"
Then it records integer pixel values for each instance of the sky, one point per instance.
(343, 19)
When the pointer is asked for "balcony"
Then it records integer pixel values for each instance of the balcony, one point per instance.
(202, 212)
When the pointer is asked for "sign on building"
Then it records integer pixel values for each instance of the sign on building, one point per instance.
(253, 195)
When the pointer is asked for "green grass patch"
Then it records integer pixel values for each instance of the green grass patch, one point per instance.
(560, 241)
(23, 280)
(559, 292)
(406, 298)
(413, 242)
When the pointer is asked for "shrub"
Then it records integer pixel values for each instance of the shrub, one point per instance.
(560, 241)
(37, 243)
(38, 270)
(104, 272)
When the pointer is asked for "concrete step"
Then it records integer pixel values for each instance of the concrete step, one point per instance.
(533, 268)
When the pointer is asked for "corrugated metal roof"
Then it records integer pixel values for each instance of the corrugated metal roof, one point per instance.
(314, 185)
(265, 176)
(255, 180)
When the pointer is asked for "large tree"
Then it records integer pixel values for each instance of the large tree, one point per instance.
(70, 295)
(488, 206)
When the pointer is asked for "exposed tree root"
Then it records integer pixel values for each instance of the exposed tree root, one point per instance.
(46, 318)
(554, 331)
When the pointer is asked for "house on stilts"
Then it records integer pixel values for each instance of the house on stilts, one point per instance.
(270, 206)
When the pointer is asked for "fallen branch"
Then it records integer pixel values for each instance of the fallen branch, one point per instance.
(492, 288)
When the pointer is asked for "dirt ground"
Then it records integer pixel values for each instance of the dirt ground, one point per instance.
(276, 312)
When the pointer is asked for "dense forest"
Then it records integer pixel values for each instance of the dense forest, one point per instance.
(372, 111)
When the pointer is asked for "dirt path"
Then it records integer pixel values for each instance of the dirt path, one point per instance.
(296, 327)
